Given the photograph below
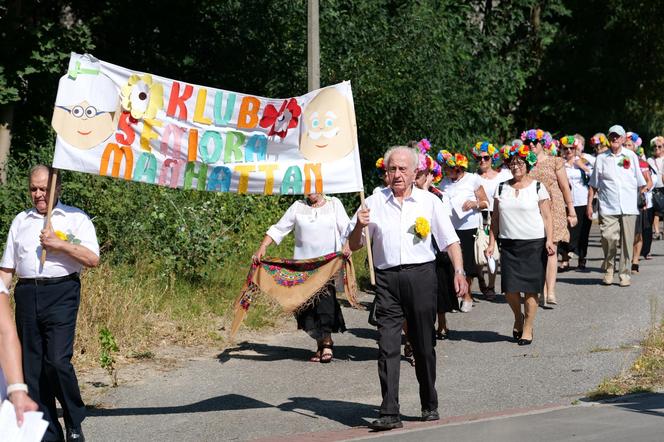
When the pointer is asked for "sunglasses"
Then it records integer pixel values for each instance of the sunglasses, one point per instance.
(485, 158)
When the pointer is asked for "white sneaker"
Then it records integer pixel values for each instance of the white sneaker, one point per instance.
(625, 281)
(466, 306)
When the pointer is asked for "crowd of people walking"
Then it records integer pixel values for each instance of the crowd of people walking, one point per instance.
(527, 210)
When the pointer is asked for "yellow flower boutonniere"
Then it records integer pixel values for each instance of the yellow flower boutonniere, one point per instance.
(422, 227)
(69, 237)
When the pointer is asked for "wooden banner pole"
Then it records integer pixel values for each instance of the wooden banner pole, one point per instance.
(372, 274)
(47, 220)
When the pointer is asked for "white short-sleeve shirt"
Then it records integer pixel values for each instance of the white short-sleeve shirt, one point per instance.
(617, 186)
(490, 185)
(23, 249)
(578, 182)
(519, 216)
(391, 228)
(318, 230)
(459, 192)
(4, 291)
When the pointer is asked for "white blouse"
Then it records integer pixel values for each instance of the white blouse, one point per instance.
(578, 185)
(459, 192)
(490, 184)
(519, 216)
(318, 230)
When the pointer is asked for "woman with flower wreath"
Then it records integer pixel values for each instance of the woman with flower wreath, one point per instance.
(549, 170)
(657, 163)
(429, 173)
(523, 226)
(643, 221)
(578, 170)
(467, 199)
(380, 169)
(320, 223)
(487, 157)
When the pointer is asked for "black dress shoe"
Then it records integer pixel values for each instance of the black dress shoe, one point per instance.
(430, 415)
(386, 422)
(75, 435)
(525, 341)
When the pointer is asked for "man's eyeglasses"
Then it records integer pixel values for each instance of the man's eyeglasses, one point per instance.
(80, 111)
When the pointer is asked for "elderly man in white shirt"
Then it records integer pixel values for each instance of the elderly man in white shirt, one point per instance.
(47, 299)
(401, 220)
(618, 181)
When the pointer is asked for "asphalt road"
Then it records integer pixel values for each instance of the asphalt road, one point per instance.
(265, 389)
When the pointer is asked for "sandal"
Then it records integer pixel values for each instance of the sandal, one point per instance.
(316, 356)
(490, 294)
(563, 267)
(635, 268)
(516, 333)
(407, 350)
(326, 358)
(441, 335)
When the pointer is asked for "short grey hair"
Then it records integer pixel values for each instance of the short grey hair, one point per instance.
(47, 169)
(415, 155)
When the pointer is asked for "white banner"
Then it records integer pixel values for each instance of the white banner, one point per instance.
(141, 127)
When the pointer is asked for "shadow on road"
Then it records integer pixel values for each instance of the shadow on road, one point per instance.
(648, 403)
(351, 414)
(477, 336)
(225, 402)
(270, 353)
(580, 281)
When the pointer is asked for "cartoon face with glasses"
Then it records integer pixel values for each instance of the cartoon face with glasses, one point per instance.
(87, 107)
(327, 127)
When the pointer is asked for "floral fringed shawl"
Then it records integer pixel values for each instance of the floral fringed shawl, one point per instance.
(294, 284)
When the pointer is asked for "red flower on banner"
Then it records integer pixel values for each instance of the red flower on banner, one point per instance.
(279, 121)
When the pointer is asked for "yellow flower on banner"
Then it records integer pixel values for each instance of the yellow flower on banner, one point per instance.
(142, 96)
(422, 227)
(60, 234)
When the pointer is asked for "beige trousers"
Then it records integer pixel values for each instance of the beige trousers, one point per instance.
(615, 228)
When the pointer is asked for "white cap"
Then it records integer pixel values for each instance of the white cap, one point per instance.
(85, 82)
(616, 129)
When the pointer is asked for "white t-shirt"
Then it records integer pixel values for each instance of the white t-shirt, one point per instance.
(459, 192)
(658, 165)
(490, 185)
(519, 215)
(578, 184)
(318, 230)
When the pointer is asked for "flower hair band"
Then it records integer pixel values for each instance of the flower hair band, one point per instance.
(599, 139)
(636, 139)
(522, 151)
(569, 141)
(536, 135)
(445, 157)
(484, 147)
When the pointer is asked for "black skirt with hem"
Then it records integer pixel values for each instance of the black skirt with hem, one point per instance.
(324, 316)
(522, 265)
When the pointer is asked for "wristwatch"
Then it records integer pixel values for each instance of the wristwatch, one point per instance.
(461, 272)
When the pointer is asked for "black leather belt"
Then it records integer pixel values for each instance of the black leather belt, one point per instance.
(48, 281)
(404, 267)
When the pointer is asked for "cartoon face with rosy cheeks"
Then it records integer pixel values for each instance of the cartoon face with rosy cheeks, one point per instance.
(327, 133)
(87, 105)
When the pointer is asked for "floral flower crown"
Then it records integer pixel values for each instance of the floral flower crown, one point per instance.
(569, 141)
(552, 148)
(656, 139)
(522, 151)
(635, 138)
(535, 135)
(424, 145)
(599, 139)
(487, 148)
(445, 157)
(380, 166)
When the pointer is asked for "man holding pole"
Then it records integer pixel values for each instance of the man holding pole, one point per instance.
(401, 220)
(47, 296)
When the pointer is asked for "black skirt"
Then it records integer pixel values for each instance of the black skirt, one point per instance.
(467, 239)
(522, 265)
(324, 316)
(447, 300)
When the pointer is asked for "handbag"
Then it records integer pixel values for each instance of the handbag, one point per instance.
(481, 243)
(658, 200)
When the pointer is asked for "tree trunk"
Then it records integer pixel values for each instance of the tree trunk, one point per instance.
(6, 120)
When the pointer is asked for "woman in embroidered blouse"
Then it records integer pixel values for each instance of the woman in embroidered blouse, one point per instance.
(487, 157)
(467, 199)
(10, 360)
(522, 221)
(578, 171)
(550, 172)
(319, 222)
